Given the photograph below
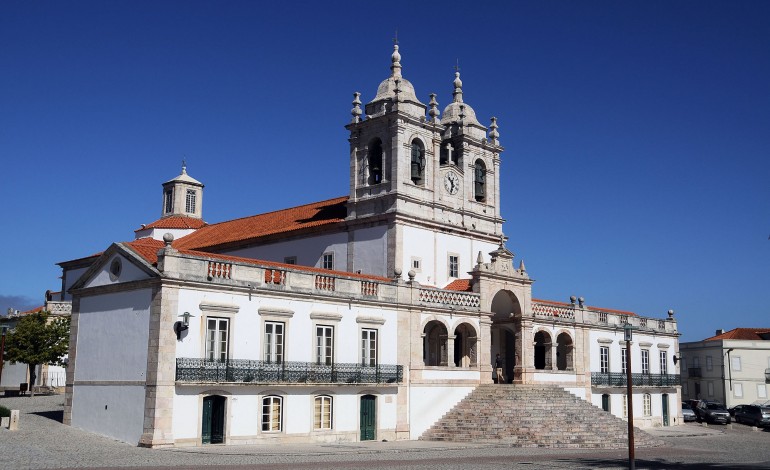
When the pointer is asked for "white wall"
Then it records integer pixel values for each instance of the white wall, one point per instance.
(308, 251)
(114, 411)
(370, 249)
(70, 278)
(129, 272)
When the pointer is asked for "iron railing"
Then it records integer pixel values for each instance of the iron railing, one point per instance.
(287, 372)
(618, 379)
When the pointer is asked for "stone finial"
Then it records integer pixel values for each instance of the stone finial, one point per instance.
(480, 259)
(433, 113)
(356, 111)
(184, 166)
(671, 314)
(395, 59)
(581, 301)
(168, 238)
(572, 299)
(457, 95)
(397, 274)
(396, 89)
(522, 269)
(411, 275)
(493, 134)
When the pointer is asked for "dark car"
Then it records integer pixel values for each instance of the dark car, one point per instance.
(735, 409)
(687, 413)
(753, 414)
(713, 412)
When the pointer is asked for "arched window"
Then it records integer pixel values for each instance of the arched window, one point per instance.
(418, 162)
(272, 408)
(480, 181)
(322, 412)
(375, 162)
(564, 352)
(542, 350)
(434, 344)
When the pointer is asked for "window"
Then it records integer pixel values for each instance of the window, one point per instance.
(271, 413)
(454, 266)
(416, 264)
(696, 361)
(324, 340)
(738, 390)
(604, 359)
(710, 386)
(736, 362)
(418, 162)
(368, 347)
(216, 339)
(190, 201)
(623, 359)
(290, 260)
(374, 160)
(328, 261)
(479, 181)
(274, 342)
(709, 363)
(602, 317)
(168, 201)
(647, 404)
(645, 361)
(761, 391)
(322, 412)
(663, 362)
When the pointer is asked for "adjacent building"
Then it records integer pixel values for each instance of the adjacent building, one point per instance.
(730, 367)
(366, 316)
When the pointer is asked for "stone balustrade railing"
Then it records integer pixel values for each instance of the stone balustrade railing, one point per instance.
(59, 307)
(575, 313)
(450, 298)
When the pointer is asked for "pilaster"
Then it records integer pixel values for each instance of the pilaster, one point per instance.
(71, 356)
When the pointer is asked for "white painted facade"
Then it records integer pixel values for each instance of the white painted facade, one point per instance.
(377, 347)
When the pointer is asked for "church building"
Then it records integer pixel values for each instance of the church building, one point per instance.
(366, 316)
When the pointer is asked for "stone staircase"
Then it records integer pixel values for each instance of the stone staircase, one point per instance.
(533, 416)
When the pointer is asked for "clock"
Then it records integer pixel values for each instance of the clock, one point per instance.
(451, 183)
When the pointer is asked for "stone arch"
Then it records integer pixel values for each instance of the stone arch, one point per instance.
(465, 341)
(505, 306)
(543, 346)
(564, 351)
(506, 310)
(375, 161)
(434, 343)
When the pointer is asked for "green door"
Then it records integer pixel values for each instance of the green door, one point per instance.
(606, 402)
(213, 421)
(665, 409)
(368, 417)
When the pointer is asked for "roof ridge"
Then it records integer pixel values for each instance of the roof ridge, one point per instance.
(276, 211)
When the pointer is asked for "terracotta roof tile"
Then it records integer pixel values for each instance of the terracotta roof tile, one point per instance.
(461, 285)
(176, 221)
(34, 310)
(751, 334)
(251, 228)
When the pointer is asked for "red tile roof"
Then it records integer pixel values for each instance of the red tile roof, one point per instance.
(248, 229)
(461, 285)
(176, 221)
(34, 310)
(751, 334)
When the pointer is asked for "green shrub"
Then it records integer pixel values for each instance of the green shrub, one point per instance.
(4, 412)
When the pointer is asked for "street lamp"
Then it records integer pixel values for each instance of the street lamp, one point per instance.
(628, 333)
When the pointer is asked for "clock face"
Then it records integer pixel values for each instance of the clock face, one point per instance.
(451, 183)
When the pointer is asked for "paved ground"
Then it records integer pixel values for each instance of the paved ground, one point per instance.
(43, 442)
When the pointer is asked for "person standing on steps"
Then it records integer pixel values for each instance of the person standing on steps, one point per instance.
(499, 369)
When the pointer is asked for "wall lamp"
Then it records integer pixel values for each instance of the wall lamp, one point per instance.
(182, 325)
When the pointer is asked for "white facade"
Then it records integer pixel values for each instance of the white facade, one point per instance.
(371, 325)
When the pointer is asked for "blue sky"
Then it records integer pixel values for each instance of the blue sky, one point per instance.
(636, 171)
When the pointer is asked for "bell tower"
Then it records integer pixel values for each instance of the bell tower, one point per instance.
(183, 196)
(430, 181)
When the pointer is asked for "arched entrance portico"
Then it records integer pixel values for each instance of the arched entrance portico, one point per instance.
(506, 333)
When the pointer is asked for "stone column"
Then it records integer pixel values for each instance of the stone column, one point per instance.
(450, 354)
(69, 382)
(161, 369)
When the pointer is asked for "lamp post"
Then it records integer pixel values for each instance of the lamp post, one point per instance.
(627, 330)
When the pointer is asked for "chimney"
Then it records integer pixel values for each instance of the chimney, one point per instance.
(720, 332)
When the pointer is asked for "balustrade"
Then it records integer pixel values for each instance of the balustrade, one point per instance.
(448, 297)
(619, 379)
(324, 283)
(275, 276)
(220, 270)
(369, 288)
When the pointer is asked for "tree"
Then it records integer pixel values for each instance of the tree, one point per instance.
(38, 339)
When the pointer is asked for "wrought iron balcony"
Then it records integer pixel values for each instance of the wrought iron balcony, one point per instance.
(198, 370)
(618, 379)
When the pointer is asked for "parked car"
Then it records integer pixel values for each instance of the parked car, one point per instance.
(735, 409)
(713, 412)
(687, 413)
(753, 414)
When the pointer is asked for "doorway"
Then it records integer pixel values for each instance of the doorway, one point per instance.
(368, 417)
(665, 409)
(213, 422)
